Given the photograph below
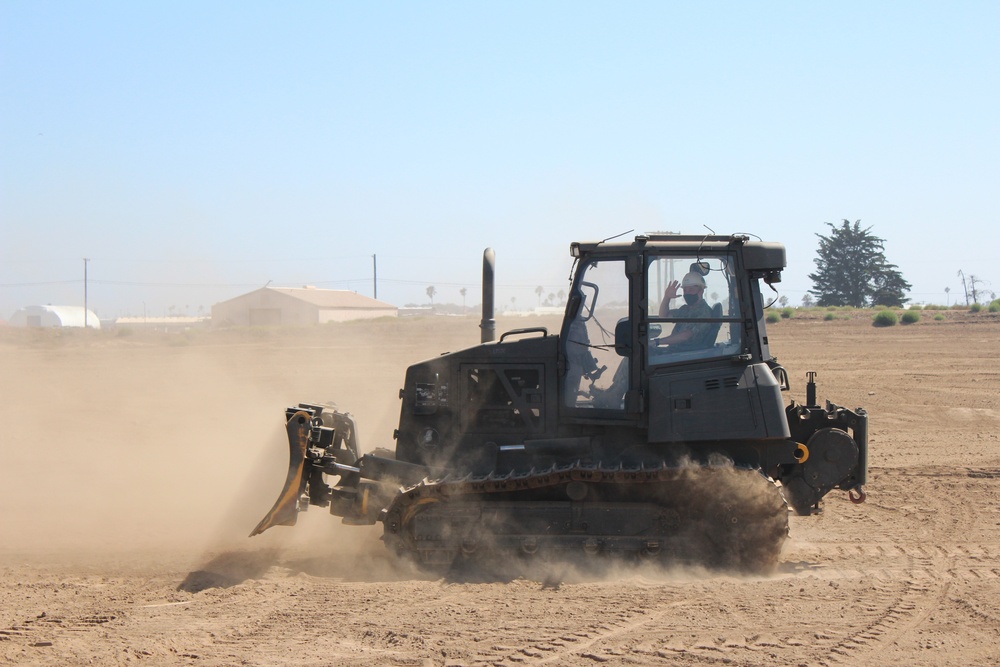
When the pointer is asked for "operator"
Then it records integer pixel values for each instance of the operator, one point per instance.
(581, 363)
(686, 335)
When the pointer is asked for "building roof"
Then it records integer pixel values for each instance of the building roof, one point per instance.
(329, 298)
(69, 316)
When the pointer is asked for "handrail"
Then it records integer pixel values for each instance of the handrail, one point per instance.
(515, 332)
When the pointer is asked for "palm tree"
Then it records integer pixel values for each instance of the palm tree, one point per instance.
(539, 291)
(431, 291)
(462, 292)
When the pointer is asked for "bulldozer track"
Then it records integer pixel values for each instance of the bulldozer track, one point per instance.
(738, 511)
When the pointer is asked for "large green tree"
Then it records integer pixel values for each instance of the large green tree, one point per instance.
(851, 270)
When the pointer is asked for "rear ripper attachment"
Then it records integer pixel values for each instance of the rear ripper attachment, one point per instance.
(323, 441)
(831, 452)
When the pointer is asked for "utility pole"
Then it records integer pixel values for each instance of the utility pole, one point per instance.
(85, 260)
(375, 276)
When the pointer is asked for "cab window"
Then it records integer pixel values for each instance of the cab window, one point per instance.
(596, 376)
(693, 309)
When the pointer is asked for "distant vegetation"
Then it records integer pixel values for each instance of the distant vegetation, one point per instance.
(885, 318)
(851, 270)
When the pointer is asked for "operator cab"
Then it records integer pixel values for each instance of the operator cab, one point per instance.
(656, 307)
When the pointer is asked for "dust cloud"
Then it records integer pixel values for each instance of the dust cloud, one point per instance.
(147, 447)
(150, 445)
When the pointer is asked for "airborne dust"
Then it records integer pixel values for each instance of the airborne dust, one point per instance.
(147, 447)
(144, 445)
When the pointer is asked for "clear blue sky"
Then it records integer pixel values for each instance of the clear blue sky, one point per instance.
(196, 150)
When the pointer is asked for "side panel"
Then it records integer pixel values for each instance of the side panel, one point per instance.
(713, 404)
(459, 408)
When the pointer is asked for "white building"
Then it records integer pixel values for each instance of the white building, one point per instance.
(297, 306)
(55, 316)
(169, 323)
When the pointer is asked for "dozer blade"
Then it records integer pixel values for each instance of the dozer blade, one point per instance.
(285, 510)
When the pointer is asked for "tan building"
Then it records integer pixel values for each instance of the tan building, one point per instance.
(297, 306)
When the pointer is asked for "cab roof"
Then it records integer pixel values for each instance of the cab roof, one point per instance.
(757, 255)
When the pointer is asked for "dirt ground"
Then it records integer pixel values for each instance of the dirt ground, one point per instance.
(132, 468)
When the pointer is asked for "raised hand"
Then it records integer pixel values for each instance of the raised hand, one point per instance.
(672, 291)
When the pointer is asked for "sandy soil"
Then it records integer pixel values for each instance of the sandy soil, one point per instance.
(132, 468)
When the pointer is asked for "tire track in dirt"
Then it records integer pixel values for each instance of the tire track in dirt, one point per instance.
(574, 646)
(928, 571)
(316, 619)
(43, 630)
(926, 589)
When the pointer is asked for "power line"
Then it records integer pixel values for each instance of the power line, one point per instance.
(339, 281)
(126, 283)
(43, 284)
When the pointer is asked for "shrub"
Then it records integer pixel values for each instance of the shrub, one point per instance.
(773, 317)
(939, 317)
(829, 317)
(885, 318)
(975, 308)
(994, 306)
(787, 312)
(917, 306)
(910, 316)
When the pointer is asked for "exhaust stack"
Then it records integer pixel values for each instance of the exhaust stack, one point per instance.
(488, 324)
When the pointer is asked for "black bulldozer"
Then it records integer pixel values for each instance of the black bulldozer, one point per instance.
(652, 426)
